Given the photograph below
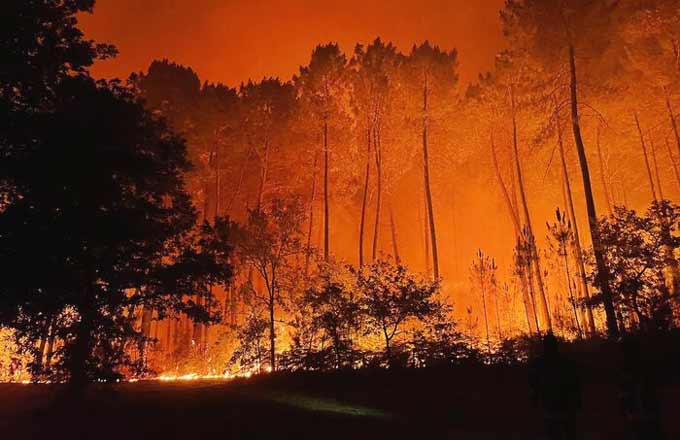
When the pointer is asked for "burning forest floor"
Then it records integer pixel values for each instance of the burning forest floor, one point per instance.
(462, 403)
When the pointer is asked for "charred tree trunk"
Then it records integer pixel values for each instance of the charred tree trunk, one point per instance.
(602, 173)
(311, 217)
(364, 199)
(671, 115)
(82, 346)
(534, 252)
(428, 191)
(326, 209)
(578, 251)
(514, 216)
(601, 263)
(644, 153)
(378, 203)
(652, 148)
(676, 171)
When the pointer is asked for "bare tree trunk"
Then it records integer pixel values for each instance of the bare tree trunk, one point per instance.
(41, 346)
(601, 263)
(652, 148)
(364, 200)
(428, 191)
(671, 115)
(572, 300)
(50, 343)
(426, 236)
(676, 171)
(311, 217)
(272, 336)
(535, 257)
(602, 174)
(497, 312)
(326, 209)
(644, 152)
(378, 166)
(590, 321)
(393, 228)
(482, 285)
(526, 301)
(263, 175)
(512, 210)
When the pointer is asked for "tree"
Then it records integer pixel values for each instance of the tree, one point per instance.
(553, 33)
(635, 247)
(103, 226)
(267, 241)
(268, 108)
(483, 274)
(562, 237)
(41, 45)
(335, 310)
(321, 86)
(375, 75)
(251, 352)
(433, 72)
(391, 296)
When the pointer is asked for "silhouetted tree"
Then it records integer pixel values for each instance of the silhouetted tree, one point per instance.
(103, 226)
(391, 296)
(267, 242)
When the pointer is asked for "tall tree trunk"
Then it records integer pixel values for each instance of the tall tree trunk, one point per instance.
(393, 229)
(426, 237)
(497, 313)
(532, 242)
(326, 209)
(527, 302)
(644, 152)
(482, 285)
(671, 115)
(572, 300)
(602, 173)
(676, 171)
(514, 216)
(217, 183)
(263, 175)
(364, 199)
(50, 343)
(272, 337)
(601, 263)
(378, 203)
(578, 250)
(652, 148)
(40, 356)
(82, 346)
(506, 196)
(428, 191)
(311, 217)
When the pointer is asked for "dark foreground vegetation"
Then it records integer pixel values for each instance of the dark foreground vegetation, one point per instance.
(469, 401)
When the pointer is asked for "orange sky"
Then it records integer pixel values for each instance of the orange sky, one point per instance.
(233, 40)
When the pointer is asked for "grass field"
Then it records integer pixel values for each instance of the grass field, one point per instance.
(487, 403)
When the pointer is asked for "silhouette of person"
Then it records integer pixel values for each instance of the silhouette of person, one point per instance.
(556, 390)
(639, 402)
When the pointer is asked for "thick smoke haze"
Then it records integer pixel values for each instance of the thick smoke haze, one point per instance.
(230, 41)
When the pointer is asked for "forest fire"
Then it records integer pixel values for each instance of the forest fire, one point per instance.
(390, 213)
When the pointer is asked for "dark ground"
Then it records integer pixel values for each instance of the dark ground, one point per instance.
(464, 403)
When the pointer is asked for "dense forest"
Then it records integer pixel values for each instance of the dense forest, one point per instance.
(372, 210)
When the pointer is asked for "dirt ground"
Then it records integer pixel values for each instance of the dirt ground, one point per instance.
(491, 403)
